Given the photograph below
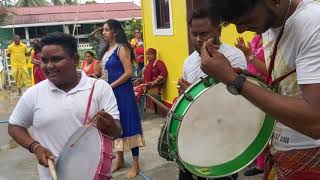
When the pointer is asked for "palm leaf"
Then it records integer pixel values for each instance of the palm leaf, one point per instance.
(31, 3)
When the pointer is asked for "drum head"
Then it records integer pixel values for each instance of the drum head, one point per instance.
(81, 160)
(220, 133)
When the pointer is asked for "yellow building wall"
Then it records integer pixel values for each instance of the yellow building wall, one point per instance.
(171, 49)
(229, 35)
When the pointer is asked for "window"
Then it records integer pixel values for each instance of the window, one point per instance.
(162, 17)
(21, 32)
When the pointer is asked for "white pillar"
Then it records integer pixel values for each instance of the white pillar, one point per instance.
(26, 30)
(66, 29)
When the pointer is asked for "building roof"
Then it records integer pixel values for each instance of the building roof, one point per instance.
(68, 14)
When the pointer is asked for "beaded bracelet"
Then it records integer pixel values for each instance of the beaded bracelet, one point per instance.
(29, 147)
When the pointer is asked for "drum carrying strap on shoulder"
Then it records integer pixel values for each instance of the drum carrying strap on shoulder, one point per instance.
(89, 104)
(274, 83)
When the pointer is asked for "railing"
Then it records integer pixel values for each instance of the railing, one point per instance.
(84, 46)
(7, 68)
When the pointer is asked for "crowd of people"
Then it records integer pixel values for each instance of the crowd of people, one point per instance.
(25, 72)
(280, 55)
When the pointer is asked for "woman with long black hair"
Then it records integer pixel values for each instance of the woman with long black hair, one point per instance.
(117, 71)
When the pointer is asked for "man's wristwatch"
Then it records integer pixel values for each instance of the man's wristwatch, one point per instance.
(235, 86)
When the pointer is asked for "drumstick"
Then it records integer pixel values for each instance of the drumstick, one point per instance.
(52, 169)
(161, 105)
(81, 135)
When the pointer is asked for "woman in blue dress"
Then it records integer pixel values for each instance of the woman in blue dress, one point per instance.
(117, 70)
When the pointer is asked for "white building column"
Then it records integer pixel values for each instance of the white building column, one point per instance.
(26, 30)
(66, 29)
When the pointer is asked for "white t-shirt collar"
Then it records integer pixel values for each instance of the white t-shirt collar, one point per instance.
(81, 86)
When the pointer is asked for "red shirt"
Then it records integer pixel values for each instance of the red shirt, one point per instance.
(88, 69)
(139, 51)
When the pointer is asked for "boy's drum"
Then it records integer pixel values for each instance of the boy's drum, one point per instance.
(86, 156)
(213, 133)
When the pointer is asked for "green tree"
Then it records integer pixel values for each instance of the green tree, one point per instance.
(6, 3)
(130, 26)
(91, 2)
(71, 2)
(36, 3)
(31, 3)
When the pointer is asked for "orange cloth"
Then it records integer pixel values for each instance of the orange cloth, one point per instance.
(88, 68)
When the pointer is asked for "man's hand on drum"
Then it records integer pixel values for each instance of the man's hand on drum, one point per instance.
(216, 64)
(108, 125)
(182, 85)
(42, 154)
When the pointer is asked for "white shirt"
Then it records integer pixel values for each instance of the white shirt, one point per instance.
(55, 115)
(299, 48)
(191, 68)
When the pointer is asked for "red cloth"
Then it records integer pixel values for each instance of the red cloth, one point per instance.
(302, 164)
(139, 51)
(90, 70)
(38, 74)
(261, 159)
(153, 70)
(152, 51)
(139, 91)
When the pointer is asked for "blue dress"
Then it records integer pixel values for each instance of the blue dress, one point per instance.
(129, 115)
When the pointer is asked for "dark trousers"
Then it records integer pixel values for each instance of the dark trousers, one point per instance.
(187, 175)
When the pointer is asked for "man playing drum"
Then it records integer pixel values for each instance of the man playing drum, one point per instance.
(200, 31)
(291, 33)
(56, 107)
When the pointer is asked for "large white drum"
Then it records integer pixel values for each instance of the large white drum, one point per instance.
(214, 133)
(86, 156)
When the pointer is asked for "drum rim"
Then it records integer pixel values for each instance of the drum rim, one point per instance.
(241, 161)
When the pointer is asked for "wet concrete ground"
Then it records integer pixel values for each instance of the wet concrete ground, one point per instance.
(18, 164)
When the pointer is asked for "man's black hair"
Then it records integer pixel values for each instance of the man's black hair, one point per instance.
(198, 14)
(225, 11)
(89, 52)
(68, 42)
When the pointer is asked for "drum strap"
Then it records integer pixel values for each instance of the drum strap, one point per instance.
(271, 65)
(89, 103)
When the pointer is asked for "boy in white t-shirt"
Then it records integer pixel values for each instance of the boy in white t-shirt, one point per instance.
(295, 25)
(56, 107)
